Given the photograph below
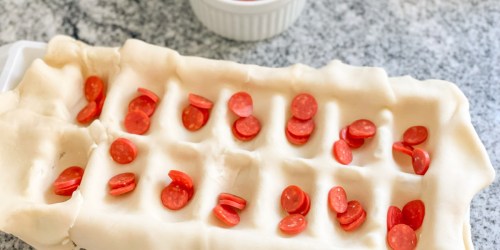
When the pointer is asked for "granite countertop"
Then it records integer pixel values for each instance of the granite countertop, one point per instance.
(454, 40)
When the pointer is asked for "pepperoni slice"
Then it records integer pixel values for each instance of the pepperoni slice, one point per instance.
(352, 142)
(206, 116)
(231, 204)
(362, 129)
(247, 126)
(293, 224)
(137, 122)
(337, 199)
(304, 106)
(66, 184)
(299, 127)
(342, 152)
(415, 135)
(394, 217)
(123, 151)
(240, 136)
(121, 180)
(292, 199)
(143, 103)
(296, 140)
(194, 118)
(353, 212)
(123, 190)
(190, 193)
(403, 148)
(94, 88)
(100, 105)
(69, 177)
(304, 210)
(232, 200)
(149, 94)
(420, 161)
(402, 237)
(88, 113)
(66, 191)
(226, 214)
(182, 178)
(241, 104)
(200, 101)
(413, 214)
(355, 224)
(174, 196)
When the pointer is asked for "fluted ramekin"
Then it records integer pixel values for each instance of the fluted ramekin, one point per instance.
(247, 20)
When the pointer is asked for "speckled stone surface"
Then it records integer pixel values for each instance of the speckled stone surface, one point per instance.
(455, 40)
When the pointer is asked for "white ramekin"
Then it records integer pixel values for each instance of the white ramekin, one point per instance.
(247, 20)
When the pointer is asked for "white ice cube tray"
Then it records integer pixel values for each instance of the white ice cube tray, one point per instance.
(15, 58)
(41, 138)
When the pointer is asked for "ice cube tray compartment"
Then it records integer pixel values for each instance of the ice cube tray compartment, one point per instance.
(72, 148)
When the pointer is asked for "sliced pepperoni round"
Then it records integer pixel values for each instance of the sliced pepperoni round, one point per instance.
(143, 103)
(299, 127)
(394, 217)
(66, 184)
(232, 204)
(352, 142)
(137, 122)
(241, 104)
(413, 214)
(149, 94)
(353, 211)
(362, 129)
(69, 177)
(121, 180)
(226, 214)
(337, 199)
(296, 140)
(247, 126)
(420, 161)
(123, 151)
(190, 193)
(194, 118)
(355, 224)
(304, 210)
(100, 105)
(206, 115)
(292, 199)
(122, 190)
(304, 106)
(200, 101)
(403, 148)
(402, 237)
(240, 136)
(66, 191)
(232, 200)
(415, 135)
(94, 88)
(293, 224)
(182, 178)
(342, 152)
(88, 113)
(174, 196)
